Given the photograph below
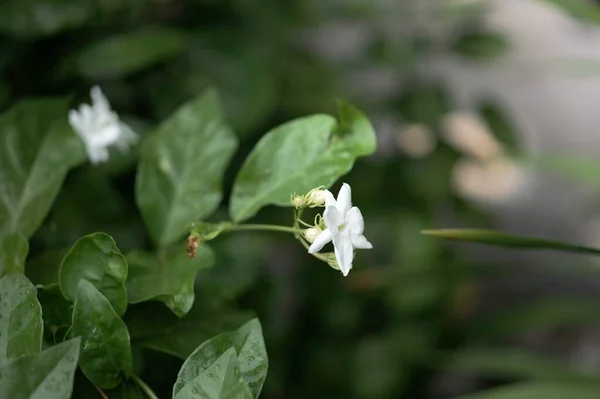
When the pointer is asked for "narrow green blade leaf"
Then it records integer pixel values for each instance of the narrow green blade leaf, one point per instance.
(13, 251)
(154, 327)
(249, 346)
(181, 168)
(105, 348)
(299, 156)
(37, 148)
(128, 53)
(97, 259)
(514, 363)
(46, 375)
(220, 380)
(168, 277)
(495, 238)
(540, 390)
(20, 318)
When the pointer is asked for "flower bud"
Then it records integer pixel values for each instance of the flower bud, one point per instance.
(298, 201)
(311, 234)
(317, 198)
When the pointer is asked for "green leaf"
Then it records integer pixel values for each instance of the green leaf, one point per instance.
(128, 53)
(481, 46)
(220, 380)
(105, 348)
(181, 168)
(154, 327)
(43, 269)
(508, 363)
(587, 12)
(127, 390)
(20, 318)
(490, 237)
(46, 375)
(249, 346)
(97, 259)
(13, 251)
(299, 156)
(167, 277)
(540, 390)
(37, 148)
(56, 309)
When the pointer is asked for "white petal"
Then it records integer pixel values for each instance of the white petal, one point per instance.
(99, 100)
(344, 253)
(359, 241)
(355, 221)
(344, 199)
(320, 241)
(329, 198)
(332, 218)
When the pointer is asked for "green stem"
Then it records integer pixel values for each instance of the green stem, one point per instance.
(266, 227)
(147, 390)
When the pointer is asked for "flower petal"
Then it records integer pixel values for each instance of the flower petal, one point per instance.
(99, 100)
(329, 198)
(320, 241)
(344, 253)
(333, 218)
(359, 241)
(344, 199)
(355, 221)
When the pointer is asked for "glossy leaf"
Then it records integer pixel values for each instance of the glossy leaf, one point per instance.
(128, 53)
(20, 318)
(155, 327)
(45, 375)
(37, 148)
(167, 277)
(299, 156)
(13, 251)
(495, 238)
(181, 168)
(105, 348)
(220, 380)
(97, 259)
(249, 346)
(540, 390)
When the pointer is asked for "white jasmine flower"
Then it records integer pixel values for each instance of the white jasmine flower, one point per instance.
(99, 127)
(317, 197)
(345, 226)
(312, 233)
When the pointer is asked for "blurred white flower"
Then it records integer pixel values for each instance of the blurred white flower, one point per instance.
(99, 127)
(494, 182)
(416, 140)
(470, 136)
(345, 226)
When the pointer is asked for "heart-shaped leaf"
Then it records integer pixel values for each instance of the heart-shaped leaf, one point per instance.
(97, 259)
(498, 239)
(45, 375)
(299, 156)
(20, 318)
(13, 251)
(181, 168)
(249, 346)
(222, 379)
(105, 348)
(37, 148)
(167, 276)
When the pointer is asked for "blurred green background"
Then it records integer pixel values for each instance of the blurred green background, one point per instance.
(417, 317)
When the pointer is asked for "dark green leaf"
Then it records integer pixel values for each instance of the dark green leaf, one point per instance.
(299, 156)
(587, 12)
(43, 269)
(96, 259)
(46, 375)
(482, 46)
(153, 326)
(168, 276)
(37, 148)
(105, 348)
(127, 390)
(249, 346)
(540, 390)
(13, 251)
(20, 318)
(57, 310)
(490, 237)
(129, 53)
(182, 166)
(220, 380)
